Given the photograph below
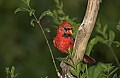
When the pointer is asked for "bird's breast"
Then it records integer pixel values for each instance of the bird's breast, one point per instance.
(63, 43)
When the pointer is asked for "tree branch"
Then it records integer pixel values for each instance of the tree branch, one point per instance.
(83, 34)
(86, 28)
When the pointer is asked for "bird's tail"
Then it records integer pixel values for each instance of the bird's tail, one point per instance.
(88, 59)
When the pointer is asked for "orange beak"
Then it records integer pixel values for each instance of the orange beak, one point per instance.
(69, 32)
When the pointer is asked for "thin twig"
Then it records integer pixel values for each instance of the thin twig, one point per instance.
(53, 59)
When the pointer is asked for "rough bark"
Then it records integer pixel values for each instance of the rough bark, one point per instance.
(83, 34)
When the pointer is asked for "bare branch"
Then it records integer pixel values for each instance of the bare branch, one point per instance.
(83, 34)
(86, 28)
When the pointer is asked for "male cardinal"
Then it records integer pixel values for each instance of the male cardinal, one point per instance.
(64, 40)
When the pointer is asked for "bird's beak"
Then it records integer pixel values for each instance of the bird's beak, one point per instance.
(69, 32)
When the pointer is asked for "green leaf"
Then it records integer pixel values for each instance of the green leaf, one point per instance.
(60, 59)
(69, 51)
(78, 68)
(32, 22)
(113, 71)
(61, 4)
(99, 27)
(100, 39)
(73, 52)
(60, 12)
(111, 35)
(117, 43)
(105, 28)
(31, 12)
(55, 13)
(47, 30)
(118, 26)
(57, 1)
(26, 2)
(21, 9)
(7, 71)
(83, 67)
(115, 75)
(73, 71)
(70, 64)
(95, 71)
(91, 45)
(12, 72)
(48, 13)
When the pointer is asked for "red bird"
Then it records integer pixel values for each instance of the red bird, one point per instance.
(64, 40)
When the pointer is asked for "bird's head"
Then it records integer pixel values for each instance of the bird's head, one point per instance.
(64, 29)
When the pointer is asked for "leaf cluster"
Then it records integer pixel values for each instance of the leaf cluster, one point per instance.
(101, 70)
(10, 72)
(104, 37)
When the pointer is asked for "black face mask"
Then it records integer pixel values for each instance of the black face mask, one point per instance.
(67, 35)
(66, 29)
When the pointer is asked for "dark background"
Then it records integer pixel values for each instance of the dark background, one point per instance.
(24, 46)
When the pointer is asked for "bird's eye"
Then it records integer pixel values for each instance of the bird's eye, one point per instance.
(66, 29)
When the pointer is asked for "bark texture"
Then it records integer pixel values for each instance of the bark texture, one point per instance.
(83, 35)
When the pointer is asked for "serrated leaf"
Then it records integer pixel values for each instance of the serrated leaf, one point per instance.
(21, 9)
(111, 35)
(32, 22)
(32, 11)
(48, 12)
(47, 30)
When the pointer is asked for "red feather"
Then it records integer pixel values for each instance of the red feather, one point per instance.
(64, 40)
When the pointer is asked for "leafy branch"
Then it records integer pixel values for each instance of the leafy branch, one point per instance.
(10, 72)
(107, 38)
(31, 12)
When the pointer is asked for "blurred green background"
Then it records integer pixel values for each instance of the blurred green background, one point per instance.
(24, 46)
